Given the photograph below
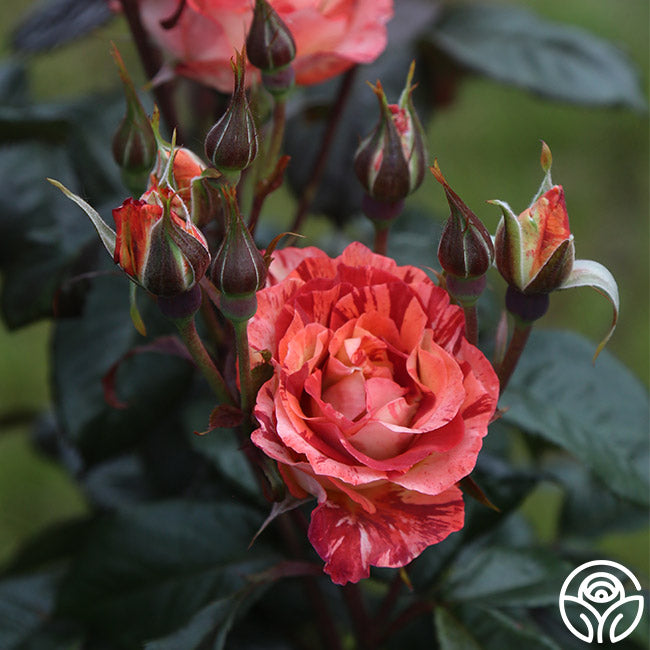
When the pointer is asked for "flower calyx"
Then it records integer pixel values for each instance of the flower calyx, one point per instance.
(390, 162)
(231, 144)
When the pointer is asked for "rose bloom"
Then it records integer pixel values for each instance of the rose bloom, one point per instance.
(330, 36)
(377, 406)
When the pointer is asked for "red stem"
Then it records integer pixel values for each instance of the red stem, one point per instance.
(515, 348)
(151, 62)
(311, 188)
(381, 240)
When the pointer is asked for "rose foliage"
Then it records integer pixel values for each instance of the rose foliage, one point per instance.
(322, 419)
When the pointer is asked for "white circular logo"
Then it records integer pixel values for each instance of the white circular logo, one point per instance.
(593, 603)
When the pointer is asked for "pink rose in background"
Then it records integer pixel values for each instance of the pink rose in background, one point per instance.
(377, 407)
(330, 35)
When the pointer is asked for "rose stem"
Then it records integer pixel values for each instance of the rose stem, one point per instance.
(360, 619)
(151, 61)
(277, 134)
(243, 356)
(390, 599)
(381, 239)
(275, 147)
(317, 170)
(471, 323)
(313, 592)
(193, 343)
(515, 348)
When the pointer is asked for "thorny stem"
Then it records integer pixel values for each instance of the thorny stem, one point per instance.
(515, 348)
(189, 335)
(471, 323)
(151, 61)
(311, 188)
(381, 239)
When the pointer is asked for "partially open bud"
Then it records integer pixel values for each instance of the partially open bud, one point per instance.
(161, 251)
(238, 270)
(269, 44)
(231, 144)
(465, 250)
(535, 250)
(134, 142)
(390, 162)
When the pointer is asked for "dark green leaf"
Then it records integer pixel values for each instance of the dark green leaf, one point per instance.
(57, 22)
(221, 447)
(43, 238)
(598, 413)
(40, 236)
(495, 630)
(209, 628)
(148, 570)
(515, 46)
(25, 602)
(451, 633)
(13, 84)
(501, 576)
(588, 508)
(503, 484)
(151, 385)
(57, 542)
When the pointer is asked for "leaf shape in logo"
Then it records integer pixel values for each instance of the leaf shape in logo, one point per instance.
(587, 613)
(626, 609)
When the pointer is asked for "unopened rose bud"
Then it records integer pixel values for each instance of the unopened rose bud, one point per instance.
(269, 44)
(238, 270)
(134, 142)
(163, 252)
(465, 250)
(390, 162)
(231, 144)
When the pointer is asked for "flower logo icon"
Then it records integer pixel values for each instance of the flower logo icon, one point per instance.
(594, 605)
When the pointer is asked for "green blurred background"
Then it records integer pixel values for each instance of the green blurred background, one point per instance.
(487, 142)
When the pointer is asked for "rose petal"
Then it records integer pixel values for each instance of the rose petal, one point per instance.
(350, 540)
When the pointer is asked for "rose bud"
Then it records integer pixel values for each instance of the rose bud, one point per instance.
(535, 254)
(465, 251)
(390, 162)
(134, 142)
(163, 252)
(535, 251)
(231, 144)
(271, 48)
(238, 270)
